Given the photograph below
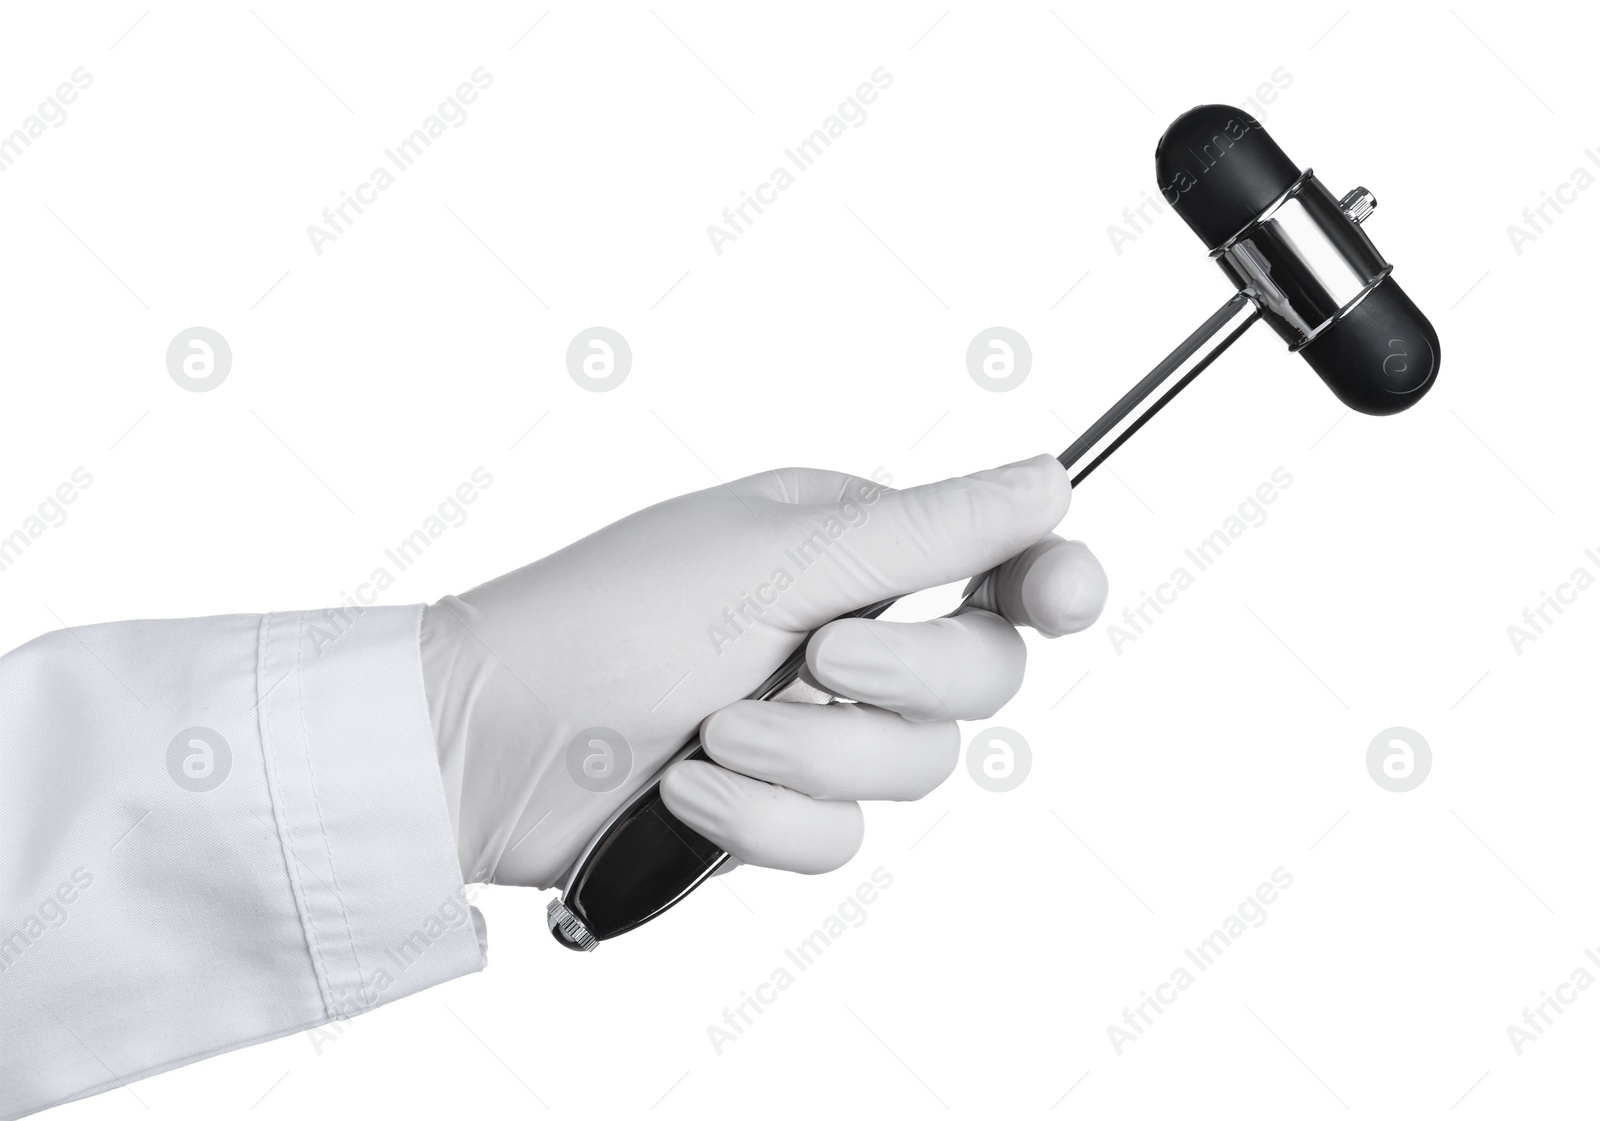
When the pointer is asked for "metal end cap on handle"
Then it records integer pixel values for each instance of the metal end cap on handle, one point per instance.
(568, 929)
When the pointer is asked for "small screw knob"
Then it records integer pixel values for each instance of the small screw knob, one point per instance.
(568, 928)
(1358, 204)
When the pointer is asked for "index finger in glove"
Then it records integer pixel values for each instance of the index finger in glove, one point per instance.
(902, 541)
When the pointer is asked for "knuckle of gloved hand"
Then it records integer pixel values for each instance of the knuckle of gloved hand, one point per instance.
(809, 848)
(1009, 653)
(723, 735)
(747, 844)
(744, 831)
(852, 832)
(943, 753)
(826, 650)
(993, 670)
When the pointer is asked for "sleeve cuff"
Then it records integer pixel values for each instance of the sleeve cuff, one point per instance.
(359, 805)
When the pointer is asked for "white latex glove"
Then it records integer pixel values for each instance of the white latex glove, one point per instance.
(558, 690)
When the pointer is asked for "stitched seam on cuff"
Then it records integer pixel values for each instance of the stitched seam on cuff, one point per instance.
(291, 862)
(322, 826)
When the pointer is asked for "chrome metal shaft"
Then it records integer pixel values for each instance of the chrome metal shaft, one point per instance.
(1161, 384)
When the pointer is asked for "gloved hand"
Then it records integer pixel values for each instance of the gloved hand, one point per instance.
(558, 690)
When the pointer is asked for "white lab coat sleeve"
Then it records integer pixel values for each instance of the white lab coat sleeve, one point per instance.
(214, 832)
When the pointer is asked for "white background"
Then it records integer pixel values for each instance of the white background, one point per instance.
(1227, 741)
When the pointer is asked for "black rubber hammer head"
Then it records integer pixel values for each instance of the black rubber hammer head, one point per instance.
(1302, 255)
